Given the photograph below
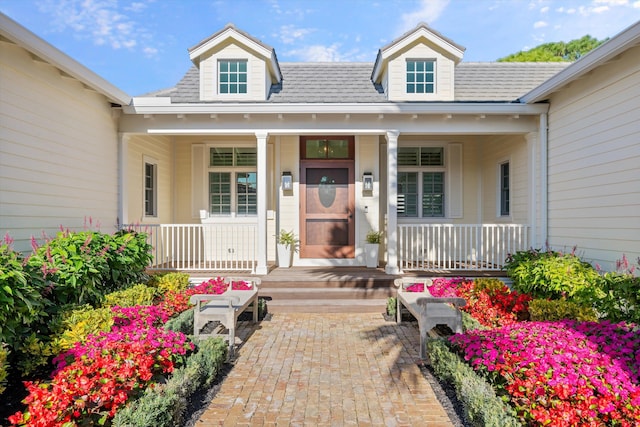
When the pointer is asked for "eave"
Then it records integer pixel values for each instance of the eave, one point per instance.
(164, 106)
(27, 40)
(606, 52)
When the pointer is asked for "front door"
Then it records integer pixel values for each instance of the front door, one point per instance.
(327, 198)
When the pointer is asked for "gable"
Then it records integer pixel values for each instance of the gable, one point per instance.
(235, 67)
(401, 63)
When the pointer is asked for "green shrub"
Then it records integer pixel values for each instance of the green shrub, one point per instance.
(4, 367)
(128, 257)
(392, 306)
(166, 282)
(76, 324)
(620, 301)
(136, 295)
(490, 285)
(470, 323)
(74, 267)
(165, 404)
(21, 303)
(552, 275)
(480, 404)
(554, 310)
(33, 354)
(181, 323)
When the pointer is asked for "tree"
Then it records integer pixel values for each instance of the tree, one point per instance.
(557, 51)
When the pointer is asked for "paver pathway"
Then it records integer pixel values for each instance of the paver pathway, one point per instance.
(326, 370)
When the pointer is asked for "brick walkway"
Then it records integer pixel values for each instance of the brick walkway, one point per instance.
(326, 370)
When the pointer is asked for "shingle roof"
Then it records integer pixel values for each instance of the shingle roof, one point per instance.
(501, 81)
(344, 82)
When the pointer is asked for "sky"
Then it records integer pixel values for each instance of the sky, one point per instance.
(141, 45)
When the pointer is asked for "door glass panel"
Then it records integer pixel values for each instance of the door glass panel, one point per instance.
(315, 149)
(338, 149)
(327, 191)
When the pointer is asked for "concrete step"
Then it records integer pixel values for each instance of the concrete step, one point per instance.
(327, 306)
(310, 293)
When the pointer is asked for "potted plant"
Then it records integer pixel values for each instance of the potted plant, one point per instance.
(287, 244)
(372, 247)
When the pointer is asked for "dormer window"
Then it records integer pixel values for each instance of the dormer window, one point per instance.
(421, 76)
(232, 76)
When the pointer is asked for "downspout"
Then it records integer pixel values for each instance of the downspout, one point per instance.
(123, 147)
(544, 177)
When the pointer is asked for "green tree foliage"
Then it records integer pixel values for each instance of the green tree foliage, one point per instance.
(556, 52)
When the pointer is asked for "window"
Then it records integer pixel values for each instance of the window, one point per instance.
(504, 189)
(232, 76)
(233, 181)
(150, 189)
(421, 182)
(421, 76)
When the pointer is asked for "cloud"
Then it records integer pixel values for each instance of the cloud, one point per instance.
(545, 9)
(289, 34)
(429, 11)
(318, 53)
(101, 21)
(540, 24)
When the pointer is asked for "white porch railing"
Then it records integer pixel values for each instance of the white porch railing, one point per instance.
(222, 247)
(459, 246)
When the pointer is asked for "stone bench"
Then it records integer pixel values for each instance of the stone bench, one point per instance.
(225, 308)
(429, 311)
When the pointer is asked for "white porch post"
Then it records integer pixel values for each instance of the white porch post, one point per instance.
(392, 202)
(261, 267)
(544, 175)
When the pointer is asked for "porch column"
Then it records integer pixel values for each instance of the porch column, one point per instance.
(261, 267)
(392, 202)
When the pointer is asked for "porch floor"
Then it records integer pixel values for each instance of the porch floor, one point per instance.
(331, 289)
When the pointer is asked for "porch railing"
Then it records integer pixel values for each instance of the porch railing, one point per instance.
(223, 247)
(459, 246)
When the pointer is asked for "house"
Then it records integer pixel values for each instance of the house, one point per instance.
(452, 160)
(58, 140)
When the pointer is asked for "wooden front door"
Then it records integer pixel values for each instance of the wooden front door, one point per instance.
(327, 203)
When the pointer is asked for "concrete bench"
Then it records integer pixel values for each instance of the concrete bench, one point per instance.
(225, 308)
(429, 311)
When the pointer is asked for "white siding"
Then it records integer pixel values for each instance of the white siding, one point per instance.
(497, 150)
(257, 75)
(158, 148)
(594, 158)
(58, 151)
(444, 75)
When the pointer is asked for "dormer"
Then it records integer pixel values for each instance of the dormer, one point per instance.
(418, 66)
(235, 67)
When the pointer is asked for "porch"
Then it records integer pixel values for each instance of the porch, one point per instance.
(421, 248)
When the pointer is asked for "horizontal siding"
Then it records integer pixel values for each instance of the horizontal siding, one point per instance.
(158, 149)
(58, 151)
(594, 158)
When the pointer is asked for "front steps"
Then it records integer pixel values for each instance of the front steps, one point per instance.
(327, 290)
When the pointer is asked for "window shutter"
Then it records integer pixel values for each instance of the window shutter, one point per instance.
(455, 191)
(198, 174)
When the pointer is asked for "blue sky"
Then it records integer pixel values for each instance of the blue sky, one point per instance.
(141, 45)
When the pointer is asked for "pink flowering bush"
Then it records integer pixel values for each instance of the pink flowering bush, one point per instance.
(561, 373)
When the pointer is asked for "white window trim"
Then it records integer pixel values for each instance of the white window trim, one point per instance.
(435, 79)
(233, 170)
(231, 96)
(506, 160)
(148, 160)
(421, 218)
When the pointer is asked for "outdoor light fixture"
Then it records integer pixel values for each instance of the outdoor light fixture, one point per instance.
(367, 183)
(287, 181)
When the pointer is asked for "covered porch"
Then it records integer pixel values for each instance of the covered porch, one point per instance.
(429, 248)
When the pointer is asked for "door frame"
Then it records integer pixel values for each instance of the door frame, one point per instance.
(346, 252)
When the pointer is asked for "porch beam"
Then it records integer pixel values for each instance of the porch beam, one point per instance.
(261, 137)
(392, 202)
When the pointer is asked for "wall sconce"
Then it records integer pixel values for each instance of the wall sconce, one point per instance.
(287, 181)
(367, 184)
